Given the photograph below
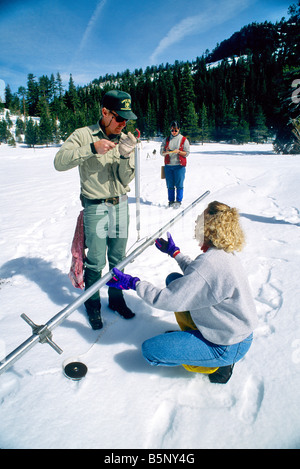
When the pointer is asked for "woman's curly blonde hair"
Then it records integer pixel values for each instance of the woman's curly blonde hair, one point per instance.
(219, 226)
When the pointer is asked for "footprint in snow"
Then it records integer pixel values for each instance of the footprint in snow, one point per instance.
(269, 300)
(252, 398)
(271, 296)
(160, 425)
(201, 394)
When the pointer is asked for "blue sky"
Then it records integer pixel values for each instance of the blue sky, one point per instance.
(89, 38)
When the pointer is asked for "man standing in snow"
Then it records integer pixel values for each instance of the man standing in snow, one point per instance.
(175, 150)
(105, 158)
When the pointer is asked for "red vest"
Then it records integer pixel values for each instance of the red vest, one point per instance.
(182, 159)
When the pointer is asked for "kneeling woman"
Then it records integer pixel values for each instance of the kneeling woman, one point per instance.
(216, 314)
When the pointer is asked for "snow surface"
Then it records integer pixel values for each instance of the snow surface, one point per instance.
(123, 402)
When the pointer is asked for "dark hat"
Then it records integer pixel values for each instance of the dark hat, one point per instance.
(175, 124)
(120, 102)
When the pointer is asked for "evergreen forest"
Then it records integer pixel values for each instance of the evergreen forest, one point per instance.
(246, 90)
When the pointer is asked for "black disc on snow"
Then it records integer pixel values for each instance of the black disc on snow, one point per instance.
(75, 370)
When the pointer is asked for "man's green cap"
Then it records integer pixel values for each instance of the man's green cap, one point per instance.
(120, 102)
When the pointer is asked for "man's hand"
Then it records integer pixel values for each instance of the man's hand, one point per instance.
(103, 146)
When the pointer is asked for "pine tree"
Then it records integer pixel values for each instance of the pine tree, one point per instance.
(59, 85)
(71, 97)
(259, 131)
(187, 95)
(150, 121)
(190, 126)
(8, 96)
(241, 133)
(8, 120)
(45, 87)
(20, 127)
(22, 95)
(32, 97)
(167, 102)
(288, 113)
(11, 141)
(31, 133)
(189, 118)
(4, 131)
(58, 107)
(204, 125)
(200, 83)
(46, 127)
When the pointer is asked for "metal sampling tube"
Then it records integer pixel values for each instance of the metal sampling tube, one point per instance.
(43, 333)
(137, 189)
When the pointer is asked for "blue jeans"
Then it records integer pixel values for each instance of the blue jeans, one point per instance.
(191, 348)
(175, 176)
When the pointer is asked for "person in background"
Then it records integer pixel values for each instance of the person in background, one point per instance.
(216, 310)
(105, 158)
(175, 150)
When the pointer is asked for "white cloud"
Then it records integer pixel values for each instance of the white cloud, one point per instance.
(85, 37)
(215, 14)
(94, 18)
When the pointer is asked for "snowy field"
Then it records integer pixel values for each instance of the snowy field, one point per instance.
(123, 402)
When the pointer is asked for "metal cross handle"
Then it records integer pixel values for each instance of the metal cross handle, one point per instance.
(43, 332)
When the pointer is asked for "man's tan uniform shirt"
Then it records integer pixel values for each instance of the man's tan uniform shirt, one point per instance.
(101, 176)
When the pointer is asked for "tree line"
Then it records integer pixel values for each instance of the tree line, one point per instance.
(249, 95)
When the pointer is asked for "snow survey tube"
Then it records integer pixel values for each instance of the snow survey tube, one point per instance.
(43, 334)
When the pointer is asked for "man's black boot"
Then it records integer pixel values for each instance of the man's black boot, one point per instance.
(222, 375)
(117, 303)
(93, 305)
(93, 309)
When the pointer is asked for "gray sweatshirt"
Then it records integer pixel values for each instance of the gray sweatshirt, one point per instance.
(216, 292)
(174, 144)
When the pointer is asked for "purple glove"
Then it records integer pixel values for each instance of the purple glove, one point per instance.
(122, 281)
(167, 247)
